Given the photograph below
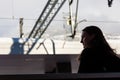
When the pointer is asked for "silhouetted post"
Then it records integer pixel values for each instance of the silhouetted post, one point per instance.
(110, 3)
(21, 26)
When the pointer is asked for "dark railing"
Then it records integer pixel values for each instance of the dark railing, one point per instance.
(61, 76)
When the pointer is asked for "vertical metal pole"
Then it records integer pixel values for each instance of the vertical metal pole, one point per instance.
(76, 14)
(70, 15)
(21, 26)
(12, 9)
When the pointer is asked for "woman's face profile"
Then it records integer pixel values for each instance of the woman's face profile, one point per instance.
(86, 39)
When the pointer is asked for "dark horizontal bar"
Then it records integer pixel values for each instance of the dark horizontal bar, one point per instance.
(60, 76)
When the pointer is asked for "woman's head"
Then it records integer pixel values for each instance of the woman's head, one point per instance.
(92, 36)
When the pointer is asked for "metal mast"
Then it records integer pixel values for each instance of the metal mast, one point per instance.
(49, 12)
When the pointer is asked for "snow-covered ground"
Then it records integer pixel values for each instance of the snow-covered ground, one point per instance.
(13, 46)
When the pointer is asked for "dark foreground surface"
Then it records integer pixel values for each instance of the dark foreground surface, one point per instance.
(62, 76)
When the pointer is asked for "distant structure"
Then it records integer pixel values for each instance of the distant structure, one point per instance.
(49, 12)
(110, 3)
(21, 26)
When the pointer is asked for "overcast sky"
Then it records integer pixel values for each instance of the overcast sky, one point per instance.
(96, 12)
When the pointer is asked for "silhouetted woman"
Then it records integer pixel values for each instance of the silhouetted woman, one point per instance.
(97, 55)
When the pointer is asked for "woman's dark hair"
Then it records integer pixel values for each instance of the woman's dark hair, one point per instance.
(99, 40)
